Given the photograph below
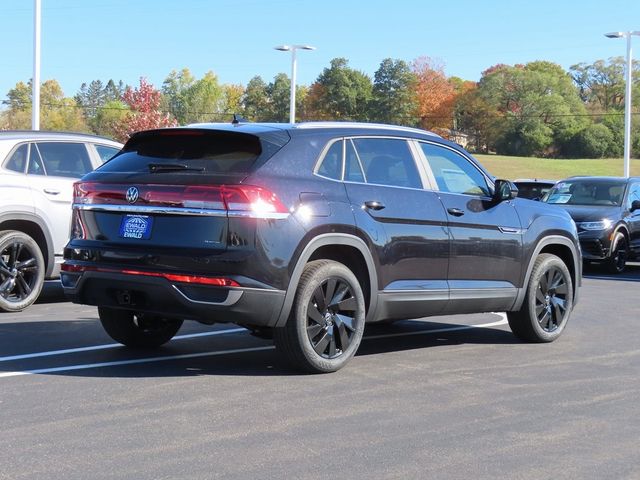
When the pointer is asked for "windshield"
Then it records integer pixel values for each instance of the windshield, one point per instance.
(586, 192)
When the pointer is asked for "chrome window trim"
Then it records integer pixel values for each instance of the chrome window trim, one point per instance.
(364, 175)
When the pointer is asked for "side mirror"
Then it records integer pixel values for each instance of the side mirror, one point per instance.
(635, 205)
(504, 190)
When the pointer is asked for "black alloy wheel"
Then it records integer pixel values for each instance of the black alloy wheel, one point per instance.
(331, 318)
(547, 304)
(618, 260)
(551, 299)
(326, 322)
(21, 271)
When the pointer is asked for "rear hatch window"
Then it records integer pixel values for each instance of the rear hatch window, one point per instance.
(195, 151)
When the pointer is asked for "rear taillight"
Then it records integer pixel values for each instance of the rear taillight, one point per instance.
(236, 199)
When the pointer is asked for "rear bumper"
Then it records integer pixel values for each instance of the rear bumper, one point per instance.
(203, 303)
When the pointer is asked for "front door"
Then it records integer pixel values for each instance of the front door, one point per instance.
(405, 224)
(485, 259)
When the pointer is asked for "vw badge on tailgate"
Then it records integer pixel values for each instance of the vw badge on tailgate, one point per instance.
(132, 194)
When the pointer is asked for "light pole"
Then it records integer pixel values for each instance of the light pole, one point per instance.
(627, 98)
(292, 49)
(35, 82)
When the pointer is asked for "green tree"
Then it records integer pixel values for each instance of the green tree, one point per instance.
(537, 108)
(190, 100)
(56, 111)
(279, 93)
(256, 100)
(342, 93)
(393, 96)
(109, 117)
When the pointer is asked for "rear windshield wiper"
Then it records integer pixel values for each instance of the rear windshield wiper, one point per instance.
(172, 167)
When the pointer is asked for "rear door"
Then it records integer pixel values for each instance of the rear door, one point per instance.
(52, 169)
(405, 223)
(15, 193)
(485, 259)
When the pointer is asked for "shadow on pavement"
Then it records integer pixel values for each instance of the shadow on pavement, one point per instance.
(598, 272)
(51, 292)
(266, 362)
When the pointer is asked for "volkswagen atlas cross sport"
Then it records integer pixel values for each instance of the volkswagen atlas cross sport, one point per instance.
(306, 232)
(607, 213)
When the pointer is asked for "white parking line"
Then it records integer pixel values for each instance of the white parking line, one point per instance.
(111, 345)
(165, 358)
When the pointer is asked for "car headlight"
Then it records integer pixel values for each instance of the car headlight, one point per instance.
(604, 224)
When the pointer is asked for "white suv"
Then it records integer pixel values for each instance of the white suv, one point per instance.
(37, 172)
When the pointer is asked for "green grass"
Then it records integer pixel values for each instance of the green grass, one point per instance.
(553, 169)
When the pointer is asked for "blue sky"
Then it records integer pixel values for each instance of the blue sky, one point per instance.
(84, 40)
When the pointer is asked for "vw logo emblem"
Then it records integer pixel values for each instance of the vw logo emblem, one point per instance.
(132, 194)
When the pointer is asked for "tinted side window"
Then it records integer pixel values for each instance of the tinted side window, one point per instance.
(65, 159)
(453, 172)
(353, 168)
(331, 166)
(18, 161)
(106, 153)
(388, 161)
(634, 194)
(35, 162)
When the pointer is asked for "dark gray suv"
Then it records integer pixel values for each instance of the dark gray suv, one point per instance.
(306, 232)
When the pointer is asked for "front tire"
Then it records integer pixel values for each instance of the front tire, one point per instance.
(138, 330)
(21, 271)
(547, 303)
(326, 323)
(617, 262)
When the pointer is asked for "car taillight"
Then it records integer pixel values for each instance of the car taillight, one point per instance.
(236, 199)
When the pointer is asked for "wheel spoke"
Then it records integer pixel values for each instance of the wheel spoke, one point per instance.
(313, 330)
(329, 291)
(322, 343)
(544, 283)
(540, 297)
(13, 255)
(341, 291)
(562, 288)
(5, 287)
(346, 321)
(26, 264)
(539, 309)
(544, 321)
(24, 286)
(318, 297)
(314, 314)
(344, 337)
(5, 271)
(332, 346)
(348, 304)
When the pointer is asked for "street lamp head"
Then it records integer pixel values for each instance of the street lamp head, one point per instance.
(615, 35)
(283, 48)
(304, 47)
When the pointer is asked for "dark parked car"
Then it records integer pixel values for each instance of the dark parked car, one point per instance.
(533, 188)
(305, 232)
(607, 212)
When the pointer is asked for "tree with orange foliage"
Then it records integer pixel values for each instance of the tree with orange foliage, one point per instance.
(145, 114)
(435, 95)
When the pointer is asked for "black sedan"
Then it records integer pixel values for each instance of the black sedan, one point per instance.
(607, 213)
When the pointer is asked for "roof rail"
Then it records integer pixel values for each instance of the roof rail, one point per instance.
(399, 128)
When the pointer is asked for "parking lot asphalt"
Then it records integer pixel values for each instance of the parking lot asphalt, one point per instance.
(446, 397)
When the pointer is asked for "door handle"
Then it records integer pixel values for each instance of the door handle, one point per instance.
(456, 212)
(50, 191)
(373, 205)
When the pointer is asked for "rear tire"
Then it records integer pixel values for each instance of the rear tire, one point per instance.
(21, 271)
(138, 330)
(617, 261)
(326, 323)
(547, 303)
